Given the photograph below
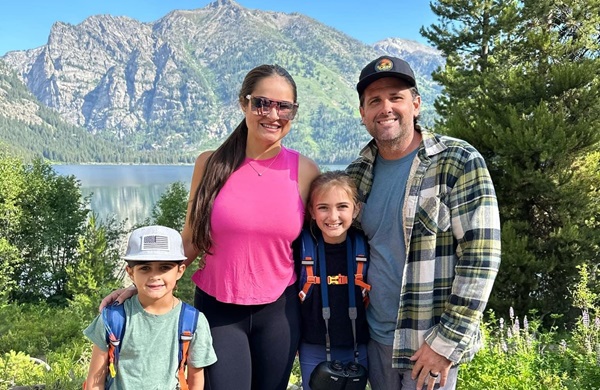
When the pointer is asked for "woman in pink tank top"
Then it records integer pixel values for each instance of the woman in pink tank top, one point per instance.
(246, 207)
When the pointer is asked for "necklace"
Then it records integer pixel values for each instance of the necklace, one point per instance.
(267, 168)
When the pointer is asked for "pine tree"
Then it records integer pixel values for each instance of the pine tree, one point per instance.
(522, 85)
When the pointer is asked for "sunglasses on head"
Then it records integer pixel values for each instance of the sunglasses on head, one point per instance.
(263, 106)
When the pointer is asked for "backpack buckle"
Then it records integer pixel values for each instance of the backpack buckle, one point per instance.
(333, 279)
(337, 279)
(313, 280)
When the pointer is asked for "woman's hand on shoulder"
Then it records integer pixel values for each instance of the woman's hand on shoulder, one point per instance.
(308, 170)
(118, 296)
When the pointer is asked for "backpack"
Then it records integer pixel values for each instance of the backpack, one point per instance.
(309, 263)
(115, 322)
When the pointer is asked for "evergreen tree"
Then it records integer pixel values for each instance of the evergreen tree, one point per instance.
(171, 207)
(170, 211)
(98, 270)
(522, 85)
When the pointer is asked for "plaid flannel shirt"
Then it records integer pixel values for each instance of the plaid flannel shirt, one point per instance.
(452, 233)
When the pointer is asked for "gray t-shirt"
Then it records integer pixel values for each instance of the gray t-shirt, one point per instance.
(150, 347)
(382, 223)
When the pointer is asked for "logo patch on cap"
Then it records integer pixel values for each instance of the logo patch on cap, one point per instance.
(384, 65)
(155, 242)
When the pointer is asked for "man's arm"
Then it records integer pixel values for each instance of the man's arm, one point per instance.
(476, 228)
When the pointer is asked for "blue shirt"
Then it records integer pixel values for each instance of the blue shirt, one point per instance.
(386, 239)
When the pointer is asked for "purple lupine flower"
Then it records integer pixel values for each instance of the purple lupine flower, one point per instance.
(597, 324)
(504, 346)
(516, 326)
(525, 324)
(585, 318)
(511, 313)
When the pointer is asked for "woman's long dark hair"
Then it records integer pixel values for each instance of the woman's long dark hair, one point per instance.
(226, 159)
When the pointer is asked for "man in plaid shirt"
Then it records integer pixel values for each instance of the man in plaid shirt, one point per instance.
(431, 216)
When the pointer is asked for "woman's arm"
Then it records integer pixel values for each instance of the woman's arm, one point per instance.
(191, 251)
(308, 170)
(98, 370)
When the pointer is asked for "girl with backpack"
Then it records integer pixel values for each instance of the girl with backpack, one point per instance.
(332, 242)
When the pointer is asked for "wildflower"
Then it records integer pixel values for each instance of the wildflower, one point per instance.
(585, 318)
(509, 333)
(502, 322)
(563, 345)
(597, 323)
(516, 326)
(525, 324)
(505, 347)
(511, 313)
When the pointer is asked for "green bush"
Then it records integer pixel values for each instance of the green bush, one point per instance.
(17, 368)
(69, 366)
(37, 329)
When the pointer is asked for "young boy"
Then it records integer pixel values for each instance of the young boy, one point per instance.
(149, 351)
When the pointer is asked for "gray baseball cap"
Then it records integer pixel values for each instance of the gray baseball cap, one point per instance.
(155, 243)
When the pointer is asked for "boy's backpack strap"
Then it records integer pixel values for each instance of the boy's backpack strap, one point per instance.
(188, 320)
(114, 322)
(308, 258)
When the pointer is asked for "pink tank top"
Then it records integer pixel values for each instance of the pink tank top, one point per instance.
(253, 223)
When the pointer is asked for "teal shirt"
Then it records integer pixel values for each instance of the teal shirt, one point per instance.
(452, 237)
(386, 239)
(149, 351)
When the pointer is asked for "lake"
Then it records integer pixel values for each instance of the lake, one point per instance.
(130, 191)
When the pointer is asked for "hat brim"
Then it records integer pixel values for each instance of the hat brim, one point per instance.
(364, 83)
(154, 257)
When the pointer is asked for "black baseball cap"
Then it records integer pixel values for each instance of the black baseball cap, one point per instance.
(385, 66)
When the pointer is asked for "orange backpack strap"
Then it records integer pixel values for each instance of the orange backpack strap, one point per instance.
(186, 337)
(308, 257)
(360, 247)
(188, 320)
(308, 264)
(359, 276)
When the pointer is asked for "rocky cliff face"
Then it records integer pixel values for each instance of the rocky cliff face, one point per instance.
(178, 77)
(98, 74)
(15, 99)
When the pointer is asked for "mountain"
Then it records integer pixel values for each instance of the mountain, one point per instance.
(30, 129)
(171, 85)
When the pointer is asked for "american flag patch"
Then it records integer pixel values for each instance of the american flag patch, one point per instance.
(155, 242)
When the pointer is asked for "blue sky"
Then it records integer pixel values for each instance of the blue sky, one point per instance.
(25, 24)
